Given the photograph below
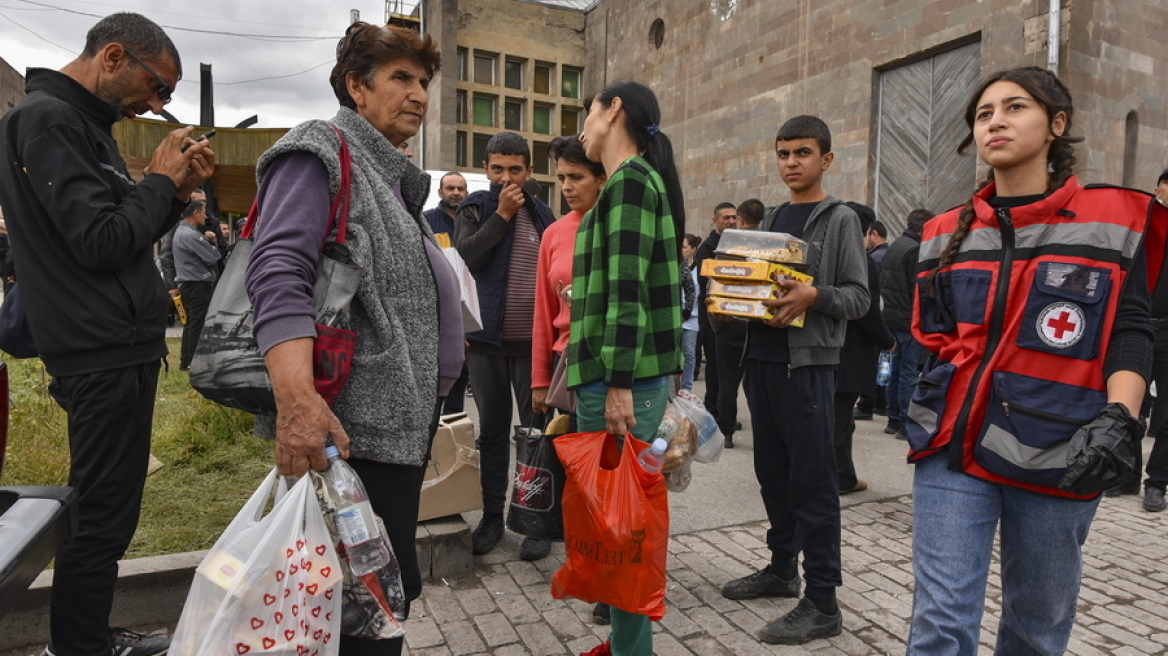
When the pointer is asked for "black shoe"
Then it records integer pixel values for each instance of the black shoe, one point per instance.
(902, 433)
(487, 535)
(763, 583)
(128, 643)
(1154, 499)
(601, 614)
(862, 415)
(534, 549)
(893, 426)
(803, 624)
(737, 425)
(729, 443)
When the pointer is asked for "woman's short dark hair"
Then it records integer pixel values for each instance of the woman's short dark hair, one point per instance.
(570, 149)
(366, 48)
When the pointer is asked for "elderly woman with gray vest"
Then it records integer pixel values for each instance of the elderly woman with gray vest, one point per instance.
(406, 313)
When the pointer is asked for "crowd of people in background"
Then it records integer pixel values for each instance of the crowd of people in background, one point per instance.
(989, 315)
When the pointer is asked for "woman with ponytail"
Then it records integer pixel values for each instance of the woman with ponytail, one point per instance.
(1033, 301)
(625, 335)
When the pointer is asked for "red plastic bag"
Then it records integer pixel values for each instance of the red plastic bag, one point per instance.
(616, 525)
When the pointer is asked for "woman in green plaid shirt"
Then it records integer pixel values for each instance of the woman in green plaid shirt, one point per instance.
(626, 306)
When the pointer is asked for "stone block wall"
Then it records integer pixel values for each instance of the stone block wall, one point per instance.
(728, 72)
(11, 87)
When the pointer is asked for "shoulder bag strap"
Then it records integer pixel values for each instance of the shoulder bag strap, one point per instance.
(338, 213)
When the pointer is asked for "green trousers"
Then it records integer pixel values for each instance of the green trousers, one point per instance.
(632, 634)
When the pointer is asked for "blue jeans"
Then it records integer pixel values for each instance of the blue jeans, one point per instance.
(955, 517)
(905, 373)
(689, 348)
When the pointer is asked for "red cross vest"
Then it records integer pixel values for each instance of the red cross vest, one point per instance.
(1018, 325)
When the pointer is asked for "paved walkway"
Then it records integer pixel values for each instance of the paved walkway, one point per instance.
(506, 608)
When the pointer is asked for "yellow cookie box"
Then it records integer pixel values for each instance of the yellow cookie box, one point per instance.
(739, 271)
(746, 308)
(754, 290)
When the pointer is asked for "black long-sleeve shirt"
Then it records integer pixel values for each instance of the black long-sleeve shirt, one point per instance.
(82, 231)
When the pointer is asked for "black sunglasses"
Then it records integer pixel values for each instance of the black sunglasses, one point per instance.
(163, 89)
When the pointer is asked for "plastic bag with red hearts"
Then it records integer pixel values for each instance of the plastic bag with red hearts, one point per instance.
(271, 585)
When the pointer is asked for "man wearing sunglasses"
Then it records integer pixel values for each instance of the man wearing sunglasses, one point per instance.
(81, 233)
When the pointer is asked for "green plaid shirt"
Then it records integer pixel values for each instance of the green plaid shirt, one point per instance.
(626, 306)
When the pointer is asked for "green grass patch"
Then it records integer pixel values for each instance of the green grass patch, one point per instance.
(212, 462)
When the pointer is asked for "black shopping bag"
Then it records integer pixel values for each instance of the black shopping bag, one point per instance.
(538, 489)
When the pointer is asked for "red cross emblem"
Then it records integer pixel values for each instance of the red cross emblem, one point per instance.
(1060, 325)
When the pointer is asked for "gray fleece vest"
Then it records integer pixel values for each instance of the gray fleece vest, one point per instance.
(388, 403)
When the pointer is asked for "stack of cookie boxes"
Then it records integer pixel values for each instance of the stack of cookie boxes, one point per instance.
(747, 271)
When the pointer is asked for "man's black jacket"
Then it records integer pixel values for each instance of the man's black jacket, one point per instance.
(898, 280)
(82, 231)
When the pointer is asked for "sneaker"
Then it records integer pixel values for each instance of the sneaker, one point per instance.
(534, 549)
(128, 643)
(902, 434)
(803, 624)
(763, 583)
(602, 614)
(893, 427)
(1154, 499)
(487, 535)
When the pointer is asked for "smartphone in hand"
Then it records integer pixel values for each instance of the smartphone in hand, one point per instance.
(206, 135)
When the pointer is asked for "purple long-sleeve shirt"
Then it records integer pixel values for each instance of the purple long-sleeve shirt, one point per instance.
(283, 265)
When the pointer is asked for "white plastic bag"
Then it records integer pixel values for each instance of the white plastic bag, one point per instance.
(711, 442)
(271, 584)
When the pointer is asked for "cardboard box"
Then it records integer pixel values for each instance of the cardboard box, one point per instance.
(753, 290)
(741, 271)
(452, 482)
(746, 308)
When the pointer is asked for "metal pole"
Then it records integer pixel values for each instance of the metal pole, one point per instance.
(1052, 37)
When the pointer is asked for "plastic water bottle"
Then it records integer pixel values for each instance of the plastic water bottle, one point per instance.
(884, 369)
(653, 458)
(366, 550)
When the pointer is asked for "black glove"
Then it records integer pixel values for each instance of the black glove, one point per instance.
(1103, 452)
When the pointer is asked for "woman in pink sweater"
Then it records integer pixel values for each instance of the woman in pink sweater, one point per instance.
(581, 180)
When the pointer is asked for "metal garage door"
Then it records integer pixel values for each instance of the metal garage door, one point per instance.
(920, 125)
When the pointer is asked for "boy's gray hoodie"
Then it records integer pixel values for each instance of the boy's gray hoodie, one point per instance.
(837, 260)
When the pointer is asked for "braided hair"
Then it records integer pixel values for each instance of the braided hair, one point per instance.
(1049, 92)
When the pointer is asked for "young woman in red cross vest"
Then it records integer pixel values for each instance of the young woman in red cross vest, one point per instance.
(1033, 301)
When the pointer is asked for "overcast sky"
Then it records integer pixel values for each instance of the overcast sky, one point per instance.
(50, 33)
